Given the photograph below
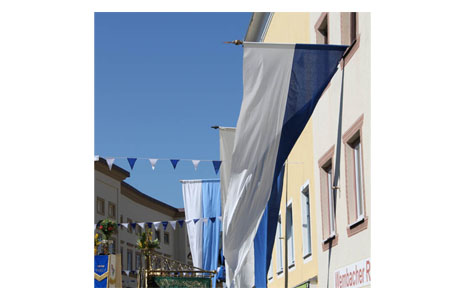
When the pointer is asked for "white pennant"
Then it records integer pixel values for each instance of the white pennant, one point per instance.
(127, 272)
(188, 221)
(125, 225)
(110, 162)
(96, 158)
(95, 226)
(141, 224)
(220, 218)
(205, 220)
(173, 224)
(153, 161)
(156, 225)
(195, 163)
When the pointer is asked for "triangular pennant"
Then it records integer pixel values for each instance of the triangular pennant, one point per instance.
(195, 163)
(125, 225)
(196, 220)
(132, 161)
(205, 220)
(149, 224)
(156, 225)
(96, 158)
(216, 165)
(173, 224)
(220, 218)
(127, 272)
(189, 221)
(110, 162)
(153, 161)
(213, 219)
(180, 222)
(95, 226)
(174, 162)
(133, 225)
(141, 224)
(164, 223)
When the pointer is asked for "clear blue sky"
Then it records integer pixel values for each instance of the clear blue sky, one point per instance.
(161, 81)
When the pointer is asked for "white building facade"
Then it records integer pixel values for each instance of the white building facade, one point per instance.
(117, 200)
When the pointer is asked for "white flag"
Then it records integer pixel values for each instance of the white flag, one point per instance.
(205, 220)
(173, 224)
(110, 162)
(195, 163)
(141, 224)
(127, 272)
(96, 158)
(153, 161)
(156, 225)
(125, 225)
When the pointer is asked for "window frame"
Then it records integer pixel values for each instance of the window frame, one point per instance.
(110, 206)
(346, 19)
(166, 234)
(290, 264)
(129, 224)
(279, 250)
(306, 247)
(355, 132)
(129, 258)
(102, 201)
(322, 20)
(323, 164)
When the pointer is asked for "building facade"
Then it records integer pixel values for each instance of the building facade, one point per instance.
(117, 200)
(323, 234)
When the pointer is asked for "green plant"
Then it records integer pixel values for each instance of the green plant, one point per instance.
(108, 227)
(145, 241)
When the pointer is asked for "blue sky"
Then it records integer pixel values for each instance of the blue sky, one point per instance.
(161, 81)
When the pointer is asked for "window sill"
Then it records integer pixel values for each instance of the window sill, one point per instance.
(332, 239)
(332, 236)
(360, 219)
(357, 226)
(307, 258)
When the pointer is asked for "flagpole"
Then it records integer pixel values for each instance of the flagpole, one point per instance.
(285, 231)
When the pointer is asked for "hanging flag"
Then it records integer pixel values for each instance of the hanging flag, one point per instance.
(195, 163)
(220, 218)
(180, 222)
(141, 224)
(132, 161)
(125, 225)
(174, 162)
(133, 225)
(127, 272)
(213, 219)
(149, 224)
(156, 225)
(216, 165)
(201, 200)
(282, 85)
(110, 162)
(164, 223)
(153, 161)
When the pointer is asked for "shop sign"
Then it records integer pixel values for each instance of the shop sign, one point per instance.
(354, 275)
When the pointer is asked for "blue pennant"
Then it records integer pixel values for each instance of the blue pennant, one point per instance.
(133, 225)
(180, 222)
(216, 165)
(165, 223)
(196, 220)
(174, 162)
(132, 161)
(149, 224)
(213, 219)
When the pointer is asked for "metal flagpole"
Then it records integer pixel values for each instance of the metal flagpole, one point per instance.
(286, 263)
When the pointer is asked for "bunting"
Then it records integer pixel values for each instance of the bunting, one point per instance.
(174, 162)
(110, 162)
(195, 163)
(153, 161)
(173, 224)
(132, 161)
(216, 165)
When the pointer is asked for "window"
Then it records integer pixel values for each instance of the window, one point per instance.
(279, 246)
(138, 261)
(166, 238)
(306, 224)
(157, 235)
(327, 200)
(121, 219)
(290, 236)
(350, 33)
(129, 225)
(129, 261)
(321, 29)
(138, 229)
(111, 210)
(100, 206)
(355, 188)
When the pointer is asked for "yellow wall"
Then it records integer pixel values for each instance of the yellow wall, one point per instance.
(295, 28)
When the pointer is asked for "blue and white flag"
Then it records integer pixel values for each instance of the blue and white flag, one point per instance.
(282, 85)
(202, 201)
